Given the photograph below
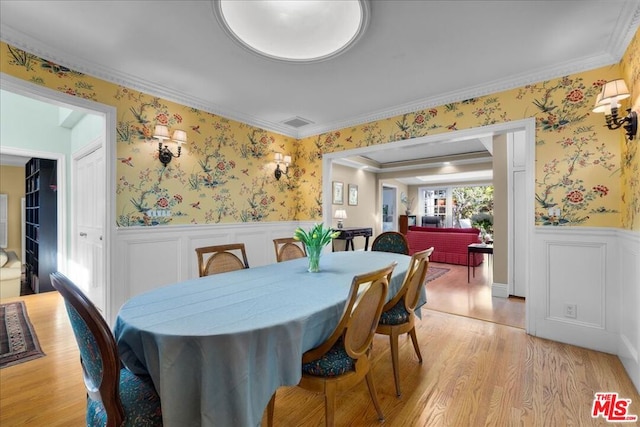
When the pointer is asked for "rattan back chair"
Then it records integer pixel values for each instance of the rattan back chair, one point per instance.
(288, 248)
(342, 361)
(220, 259)
(398, 315)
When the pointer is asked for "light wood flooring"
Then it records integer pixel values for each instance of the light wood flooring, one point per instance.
(474, 373)
(451, 293)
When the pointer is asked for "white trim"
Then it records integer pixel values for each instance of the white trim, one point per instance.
(526, 125)
(61, 192)
(611, 55)
(41, 93)
(500, 290)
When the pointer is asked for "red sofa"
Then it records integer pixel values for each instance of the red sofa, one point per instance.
(449, 244)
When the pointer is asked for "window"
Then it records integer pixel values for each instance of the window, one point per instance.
(435, 204)
(453, 204)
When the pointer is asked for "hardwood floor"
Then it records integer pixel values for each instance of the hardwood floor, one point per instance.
(474, 373)
(451, 293)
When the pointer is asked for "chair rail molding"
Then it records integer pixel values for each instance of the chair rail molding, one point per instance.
(149, 257)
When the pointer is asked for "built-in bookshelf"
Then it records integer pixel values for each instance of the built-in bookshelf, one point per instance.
(41, 219)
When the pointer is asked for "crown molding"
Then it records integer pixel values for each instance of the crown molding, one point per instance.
(556, 71)
(18, 39)
(627, 23)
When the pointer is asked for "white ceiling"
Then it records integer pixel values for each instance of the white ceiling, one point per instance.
(413, 55)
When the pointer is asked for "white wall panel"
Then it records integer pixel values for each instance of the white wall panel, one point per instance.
(629, 265)
(577, 277)
(151, 264)
(149, 257)
(576, 265)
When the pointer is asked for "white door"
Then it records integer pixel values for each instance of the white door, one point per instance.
(88, 225)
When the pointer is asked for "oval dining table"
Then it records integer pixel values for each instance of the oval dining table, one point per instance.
(217, 347)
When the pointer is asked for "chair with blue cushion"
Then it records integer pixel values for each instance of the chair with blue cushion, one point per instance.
(115, 396)
(398, 315)
(391, 241)
(342, 361)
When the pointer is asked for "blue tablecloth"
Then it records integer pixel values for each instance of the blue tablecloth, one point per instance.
(217, 347)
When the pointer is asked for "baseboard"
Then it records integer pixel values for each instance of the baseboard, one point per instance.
(500, 290)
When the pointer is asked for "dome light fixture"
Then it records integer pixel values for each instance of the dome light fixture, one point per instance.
(301, 31)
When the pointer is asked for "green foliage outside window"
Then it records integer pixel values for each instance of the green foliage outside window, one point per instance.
(474, 203)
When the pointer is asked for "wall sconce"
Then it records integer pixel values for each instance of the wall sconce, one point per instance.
(281, 159)
(340, 215)
(607, 103)
(161, 132)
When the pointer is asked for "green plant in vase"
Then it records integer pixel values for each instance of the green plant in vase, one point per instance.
(314, 240)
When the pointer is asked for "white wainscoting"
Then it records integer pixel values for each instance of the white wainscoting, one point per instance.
(597, 270)
(149, 257)
(629, 265)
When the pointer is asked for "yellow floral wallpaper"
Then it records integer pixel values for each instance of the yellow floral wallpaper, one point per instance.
(225, 172)
(630, 155)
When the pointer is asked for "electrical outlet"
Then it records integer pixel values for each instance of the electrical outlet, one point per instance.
(571, 311)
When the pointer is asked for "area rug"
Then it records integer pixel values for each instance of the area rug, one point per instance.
(434, 272)
(18, 341)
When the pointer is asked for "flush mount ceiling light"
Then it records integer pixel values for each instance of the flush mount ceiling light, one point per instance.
(294, 30)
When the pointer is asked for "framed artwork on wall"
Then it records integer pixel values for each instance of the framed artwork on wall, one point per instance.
(338, 193)
(353, 195)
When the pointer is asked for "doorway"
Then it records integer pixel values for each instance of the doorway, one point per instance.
(526, 223)
(66, 200)
(389, 208)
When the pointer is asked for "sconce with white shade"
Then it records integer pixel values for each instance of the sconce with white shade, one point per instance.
(340, 215)
(607, 103)
(161, 133)
(279, 158)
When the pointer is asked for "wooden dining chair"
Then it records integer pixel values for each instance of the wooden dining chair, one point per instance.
(342, 361)
(289, 248)
(391, 241)
(115, 396)
(220, 259)
(398, 315)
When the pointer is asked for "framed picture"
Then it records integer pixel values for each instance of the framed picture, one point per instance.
(353, 194)
(338, 198)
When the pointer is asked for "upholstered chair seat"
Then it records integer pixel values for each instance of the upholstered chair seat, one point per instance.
(139, 399)
(116, 397)
(334, 362)
(396, 315)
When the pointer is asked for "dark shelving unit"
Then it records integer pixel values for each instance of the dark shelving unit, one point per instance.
(41, 217)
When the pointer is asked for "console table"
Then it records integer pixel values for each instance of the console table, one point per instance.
(348, 233)
(481, 248)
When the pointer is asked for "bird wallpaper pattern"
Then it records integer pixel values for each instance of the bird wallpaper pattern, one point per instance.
(225, 171)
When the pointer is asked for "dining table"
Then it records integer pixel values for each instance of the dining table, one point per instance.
(217, 347)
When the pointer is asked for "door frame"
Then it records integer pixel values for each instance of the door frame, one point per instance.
(396, 213)
(528, 126)
(109, 113)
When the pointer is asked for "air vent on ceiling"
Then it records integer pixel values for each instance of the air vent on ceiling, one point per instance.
(297, 122)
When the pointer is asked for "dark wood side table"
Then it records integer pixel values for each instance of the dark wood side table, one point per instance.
(348, 233)
(479, 248)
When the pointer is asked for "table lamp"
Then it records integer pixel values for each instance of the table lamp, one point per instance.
(340, 215)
